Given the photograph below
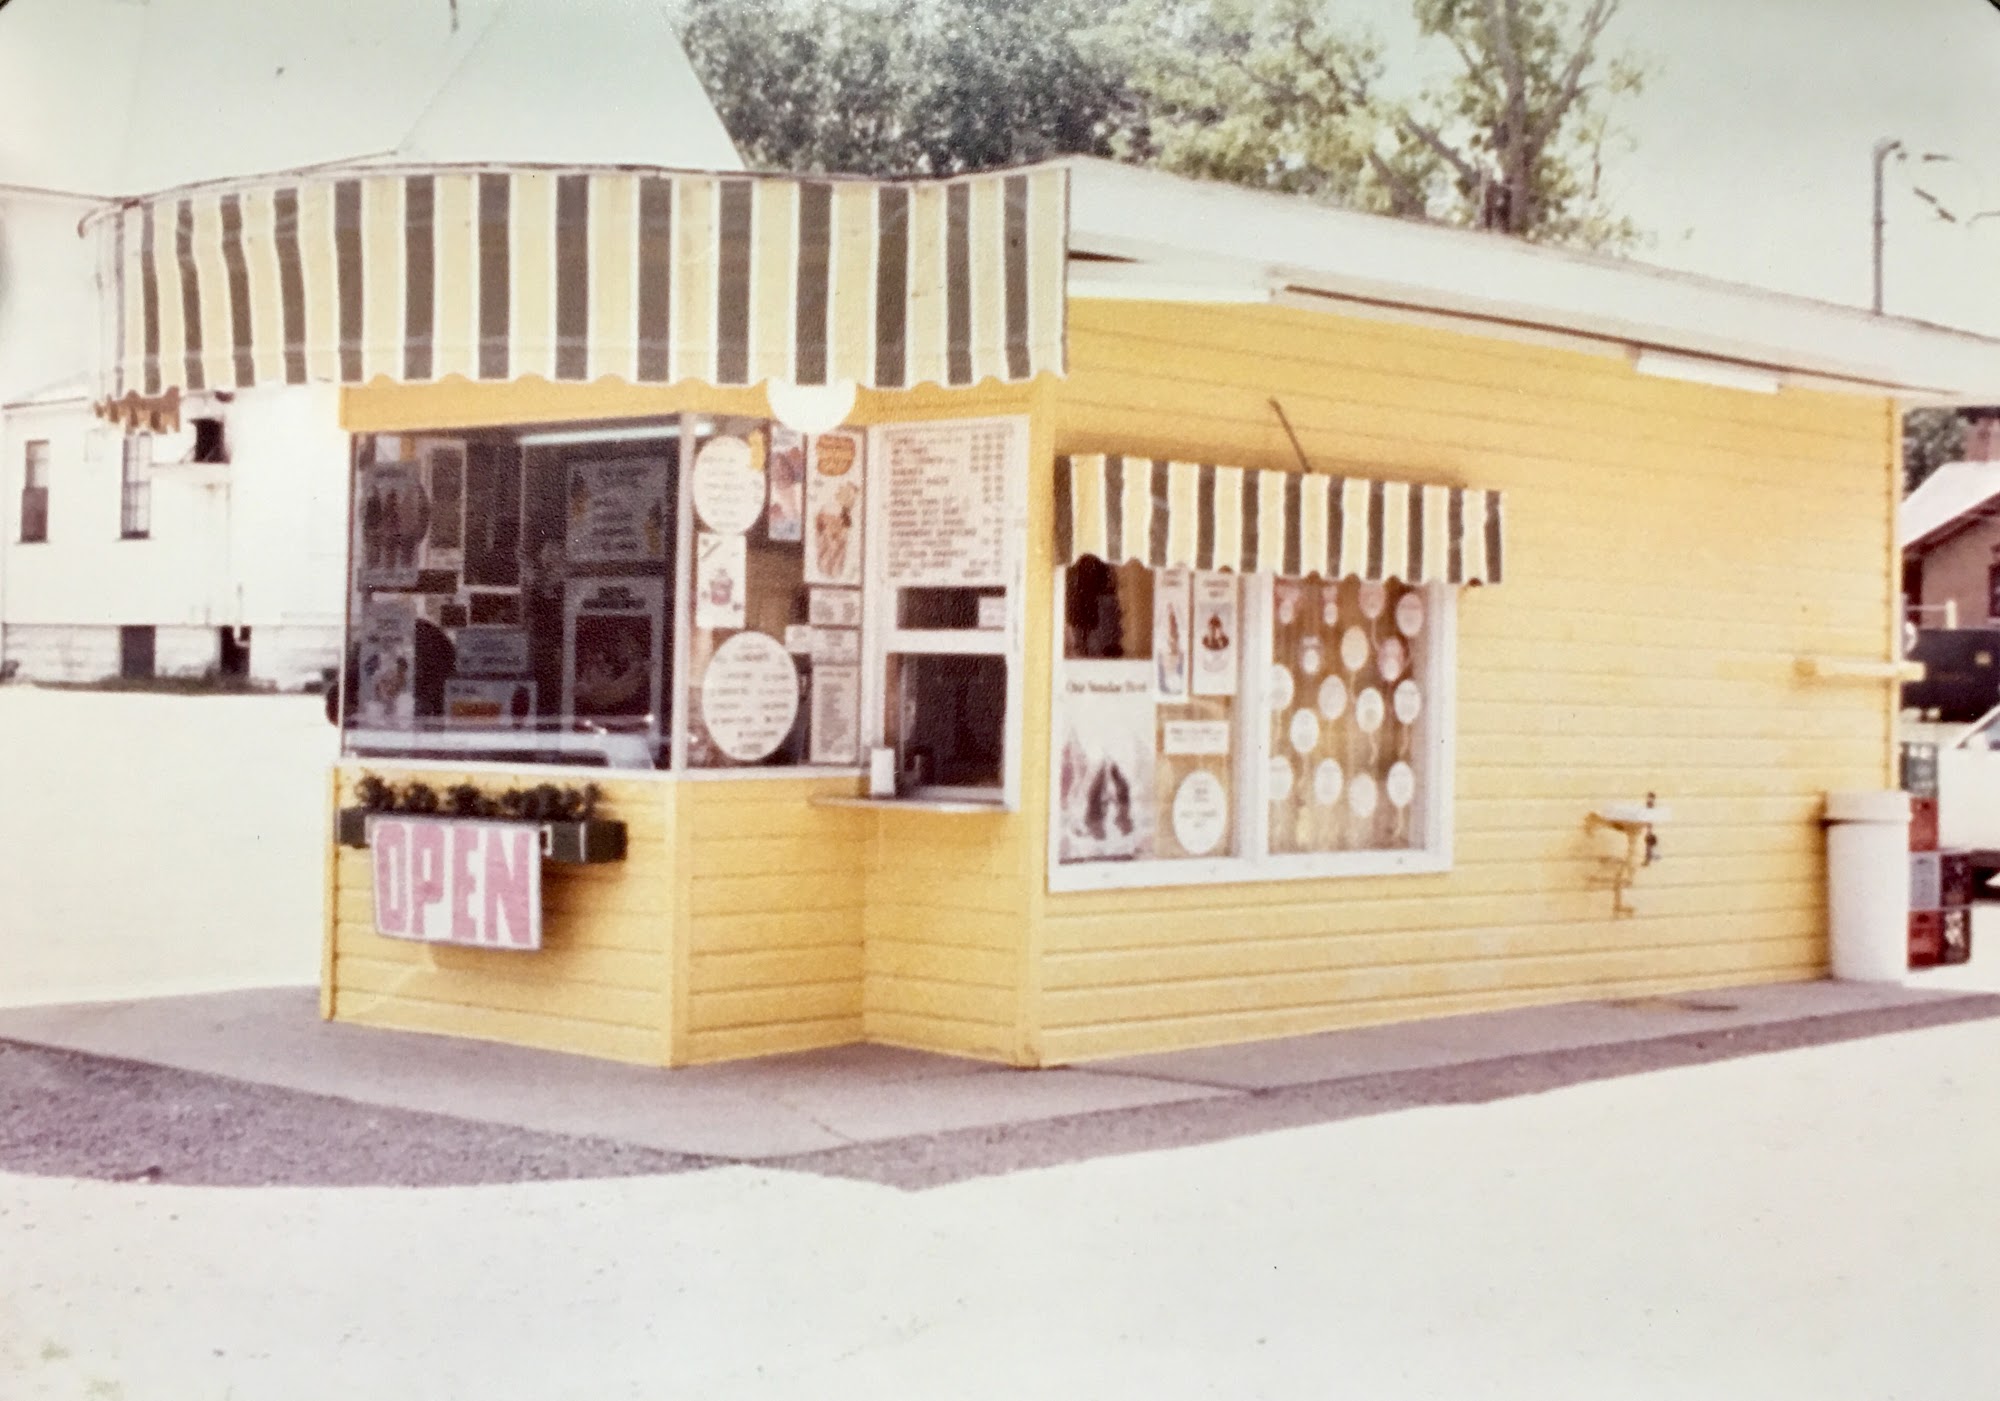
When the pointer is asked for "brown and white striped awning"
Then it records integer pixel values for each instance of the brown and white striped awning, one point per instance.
(1203, 516)
(573, 275)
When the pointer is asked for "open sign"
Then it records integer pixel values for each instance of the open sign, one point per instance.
(457, 882)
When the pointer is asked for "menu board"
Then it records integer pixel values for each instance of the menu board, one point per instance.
(947, 504)
(750, 696)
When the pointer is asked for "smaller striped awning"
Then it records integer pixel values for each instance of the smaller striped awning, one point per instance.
(1291, 524)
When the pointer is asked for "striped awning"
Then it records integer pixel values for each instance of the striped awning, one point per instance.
(653, 278)
(1203, 516)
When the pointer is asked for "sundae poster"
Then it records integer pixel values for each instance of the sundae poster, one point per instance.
(833, 510)
(1172, 656)
(1105, 730)
(721, 567)
(395, 516)
(618, 511)
(613, 638)
(1215, 641)
(388, 664)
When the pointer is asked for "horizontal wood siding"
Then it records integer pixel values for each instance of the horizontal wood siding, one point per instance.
(774, 891)
(1672, 550)
(601, 983)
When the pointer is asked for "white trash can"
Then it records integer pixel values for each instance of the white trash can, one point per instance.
(1868, 885)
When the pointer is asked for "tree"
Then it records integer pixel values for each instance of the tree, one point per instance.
(1931, 438)
(1272, 92)
(904, 86)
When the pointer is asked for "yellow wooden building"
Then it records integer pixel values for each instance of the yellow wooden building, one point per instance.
(1270, 618)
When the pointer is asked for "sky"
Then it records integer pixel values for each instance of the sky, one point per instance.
(1753, 142)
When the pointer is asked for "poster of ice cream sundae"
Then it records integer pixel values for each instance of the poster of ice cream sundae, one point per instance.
(1106, 781)
(721, 566)
(1215, 641)
(387, 670)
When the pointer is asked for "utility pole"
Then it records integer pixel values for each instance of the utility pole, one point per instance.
(1884, 148)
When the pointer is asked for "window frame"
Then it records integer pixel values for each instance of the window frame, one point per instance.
(35, 491)
(135, 488)
(1250, 818)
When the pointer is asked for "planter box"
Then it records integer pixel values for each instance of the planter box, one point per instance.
(569, 843)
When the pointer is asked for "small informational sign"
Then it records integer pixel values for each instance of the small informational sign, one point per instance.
(834, 608)
(1194, 738)
(1201, 813)
(750, 696)
(1215, 641)
(947, 509)
(387, 669)
(394, 516)
(488, 703)
(786, 519)
(618, 511)
(491, 651)
(613, 633)
(728, 489)
(799, 639)
(836, 715)
(454, 881)
(836, 647)
(833, 510)
(721, 580)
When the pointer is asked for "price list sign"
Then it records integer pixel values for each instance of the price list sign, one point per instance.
(947, 505)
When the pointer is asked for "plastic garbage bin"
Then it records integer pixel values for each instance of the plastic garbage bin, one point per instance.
(1868, 885)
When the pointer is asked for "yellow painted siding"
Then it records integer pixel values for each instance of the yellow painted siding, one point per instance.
(774, 889)
(602, 983)
(1672, 549)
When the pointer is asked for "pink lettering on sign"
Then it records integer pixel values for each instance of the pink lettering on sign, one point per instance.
(453, 882)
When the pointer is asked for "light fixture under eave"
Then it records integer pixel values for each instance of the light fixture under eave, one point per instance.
(1697, 369)
(810, 408)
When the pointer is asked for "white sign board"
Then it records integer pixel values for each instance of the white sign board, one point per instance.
(750, 696)
(947, 504)
(454, 881)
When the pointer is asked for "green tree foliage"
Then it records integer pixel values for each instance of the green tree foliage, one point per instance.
(1931, 438)
(905, 86)
(1278, 93)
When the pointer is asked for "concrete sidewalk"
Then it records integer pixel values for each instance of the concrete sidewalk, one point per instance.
(918, 1119)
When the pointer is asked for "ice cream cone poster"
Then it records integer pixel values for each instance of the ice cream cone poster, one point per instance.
(618, 511)
(833, 510)
(1173, 657)
(388, 663)
(721, 572)
(613, 634)
(1105, 727)
(1215, 641)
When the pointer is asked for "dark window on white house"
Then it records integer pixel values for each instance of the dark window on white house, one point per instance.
(35, 493)
(209, 445)
(135, 489)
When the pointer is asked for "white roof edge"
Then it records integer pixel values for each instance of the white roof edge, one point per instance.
(1506, 283)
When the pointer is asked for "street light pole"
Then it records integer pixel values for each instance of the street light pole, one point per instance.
(1884, 148)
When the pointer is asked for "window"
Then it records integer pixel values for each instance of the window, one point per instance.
(1214, 727)
(209, 443)
(35, 493)
(135, 491)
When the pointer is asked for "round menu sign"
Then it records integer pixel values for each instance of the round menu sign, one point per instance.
(1201, 813)
(750, 696)
(728, 490)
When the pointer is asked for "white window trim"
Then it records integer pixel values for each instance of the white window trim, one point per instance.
(1250, 821)
(881, 638)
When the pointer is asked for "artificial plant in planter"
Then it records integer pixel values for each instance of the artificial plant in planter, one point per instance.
(571, 830)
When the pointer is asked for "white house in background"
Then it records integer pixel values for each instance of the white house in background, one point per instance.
(219, 546)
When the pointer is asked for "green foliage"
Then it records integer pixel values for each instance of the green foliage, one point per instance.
(1931, 438)
(545, 802)
(1276, 93)
(903, 86)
